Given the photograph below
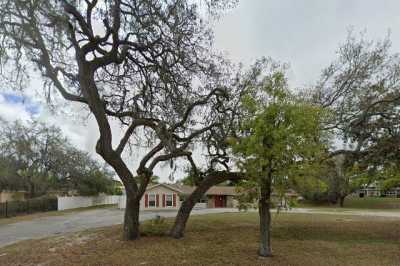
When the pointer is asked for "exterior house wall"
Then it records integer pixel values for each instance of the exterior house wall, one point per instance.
(210, 202)
(222, 195)
(235, 203)
(160, 191)
(231, 202)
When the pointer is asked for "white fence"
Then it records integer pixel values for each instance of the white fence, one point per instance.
(65, 203)
(122, 202)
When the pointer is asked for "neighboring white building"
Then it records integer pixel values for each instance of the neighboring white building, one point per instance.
(374, 190)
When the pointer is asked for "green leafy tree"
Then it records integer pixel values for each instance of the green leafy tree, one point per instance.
(327, 181)
(95, 182)
(37, 158)
(277, 132)
(392, 177)
(155, 179)
(310, 179)
(8, 172)
(32, 149)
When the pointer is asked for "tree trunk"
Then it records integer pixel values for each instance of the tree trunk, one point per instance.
(181, 219)
(131, 218)
(341, 201)
(265, 219)
(31, 190)
(186, 208)
(183, 215)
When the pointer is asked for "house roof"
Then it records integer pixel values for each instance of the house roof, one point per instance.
(186, 190)
(170, 187)
(215, 190)
(222, 190)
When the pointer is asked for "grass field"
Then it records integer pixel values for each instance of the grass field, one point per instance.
(225, 239)
(354, 202)
(372, 203)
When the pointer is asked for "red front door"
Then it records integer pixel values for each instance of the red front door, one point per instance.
(219, 201)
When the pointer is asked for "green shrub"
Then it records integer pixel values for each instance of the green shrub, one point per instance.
(158, 226)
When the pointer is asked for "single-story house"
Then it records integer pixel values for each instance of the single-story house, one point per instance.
(170, 196)
(160, 196)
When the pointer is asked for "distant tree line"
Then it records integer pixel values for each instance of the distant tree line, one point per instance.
(361, 91)
(37, 158)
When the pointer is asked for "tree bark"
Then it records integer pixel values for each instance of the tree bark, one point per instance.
(183, 215)
(265, 218)
(31, 190)
(186, 208)
(341, 201)
(131, 229)
(181, 219)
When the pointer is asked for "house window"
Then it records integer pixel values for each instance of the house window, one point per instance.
(152, 200)
(168, 200)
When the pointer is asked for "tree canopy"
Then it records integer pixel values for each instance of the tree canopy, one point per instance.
(149, 65)
(362, 91)
(278, 132)
(38, 158)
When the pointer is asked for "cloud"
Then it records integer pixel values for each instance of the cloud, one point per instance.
(77, 124)
(304, 33)
(11, 108)
(30, 106)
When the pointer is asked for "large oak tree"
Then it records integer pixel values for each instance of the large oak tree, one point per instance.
(361, 89)
(147, 65)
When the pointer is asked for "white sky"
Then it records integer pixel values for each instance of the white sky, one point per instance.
(303, 33)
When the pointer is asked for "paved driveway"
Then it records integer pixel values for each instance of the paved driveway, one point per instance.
(78, 221)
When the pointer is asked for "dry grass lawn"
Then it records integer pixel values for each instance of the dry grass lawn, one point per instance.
(225, 239)
(366, 203)
(372, 203)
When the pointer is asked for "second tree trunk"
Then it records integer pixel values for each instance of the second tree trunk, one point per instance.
(265, 218)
